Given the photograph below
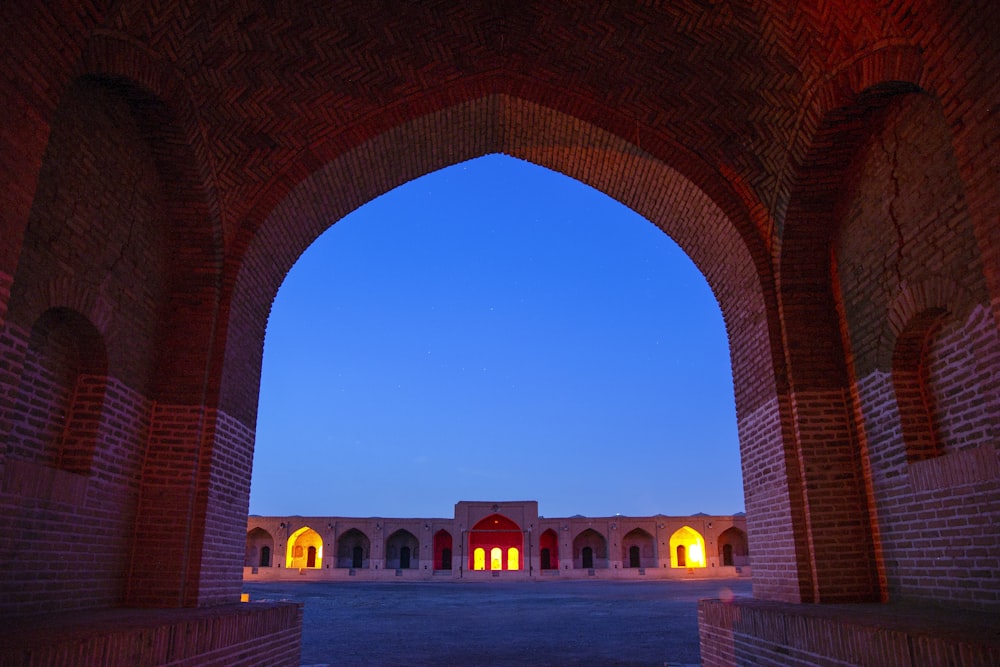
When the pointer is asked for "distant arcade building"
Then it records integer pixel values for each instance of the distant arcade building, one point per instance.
(495, 539)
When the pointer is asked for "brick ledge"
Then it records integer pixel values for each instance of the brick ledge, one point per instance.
(749, 631)
(234, 634)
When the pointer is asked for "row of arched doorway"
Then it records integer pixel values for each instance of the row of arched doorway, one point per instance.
(353, 550)
(639, 549)
(497, 543)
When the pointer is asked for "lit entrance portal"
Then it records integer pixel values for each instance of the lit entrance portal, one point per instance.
(305, 549)
(495, 543)
(549, 545)
(687, 548)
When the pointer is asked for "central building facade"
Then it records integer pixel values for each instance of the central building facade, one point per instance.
(494, 539)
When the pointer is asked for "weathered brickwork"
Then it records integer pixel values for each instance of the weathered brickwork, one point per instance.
(68, 534)
(92, 245)
(228, 493)
(81, 330)
(758, 632)
(772, 485)
(228, 636)
(829, 166)
(929, 399)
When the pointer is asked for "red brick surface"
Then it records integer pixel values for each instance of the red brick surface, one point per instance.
(831, 167)
(240, 635)
(772, 634)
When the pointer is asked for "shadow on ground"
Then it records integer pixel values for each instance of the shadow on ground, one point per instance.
(500, 623)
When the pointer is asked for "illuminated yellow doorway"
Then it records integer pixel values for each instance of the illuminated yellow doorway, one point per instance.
(305, 549)
(687, 548)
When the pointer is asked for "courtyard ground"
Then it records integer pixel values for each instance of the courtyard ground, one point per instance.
(501, 623)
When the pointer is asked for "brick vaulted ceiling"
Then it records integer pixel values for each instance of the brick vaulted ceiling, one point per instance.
(715, 89)
(245, 101)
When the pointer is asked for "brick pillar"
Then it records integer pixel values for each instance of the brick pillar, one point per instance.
(223, 513)
(193, 502)
(807, 521)
(776, 529)
(841, 547)
(565, 542)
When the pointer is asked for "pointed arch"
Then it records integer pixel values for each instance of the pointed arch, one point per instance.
(402, 550)
(61, 396)
(353, 550)
(548, 549)
(817, 358)
(687, 548)
(304, 549)
(603, 161)
(259, 548)
(590, 550)
(638, 549)
(732, 544)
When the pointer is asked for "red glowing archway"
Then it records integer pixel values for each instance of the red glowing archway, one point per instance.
(496, 534)
(548, 547)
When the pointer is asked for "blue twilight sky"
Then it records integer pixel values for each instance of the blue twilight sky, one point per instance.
(495, 331)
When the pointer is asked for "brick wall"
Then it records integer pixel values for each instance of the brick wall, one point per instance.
(906, 249)
(67, 534)
(241, 635)
(227, 502)
(188, 547)
(79, 339)
(167, 523)
(772, 634)
(775, 515)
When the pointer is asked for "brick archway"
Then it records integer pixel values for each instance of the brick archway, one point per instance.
(492, 124)
(498, 123)
(227, 141)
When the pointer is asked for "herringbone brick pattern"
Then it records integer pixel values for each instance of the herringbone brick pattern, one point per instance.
(727, 80)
